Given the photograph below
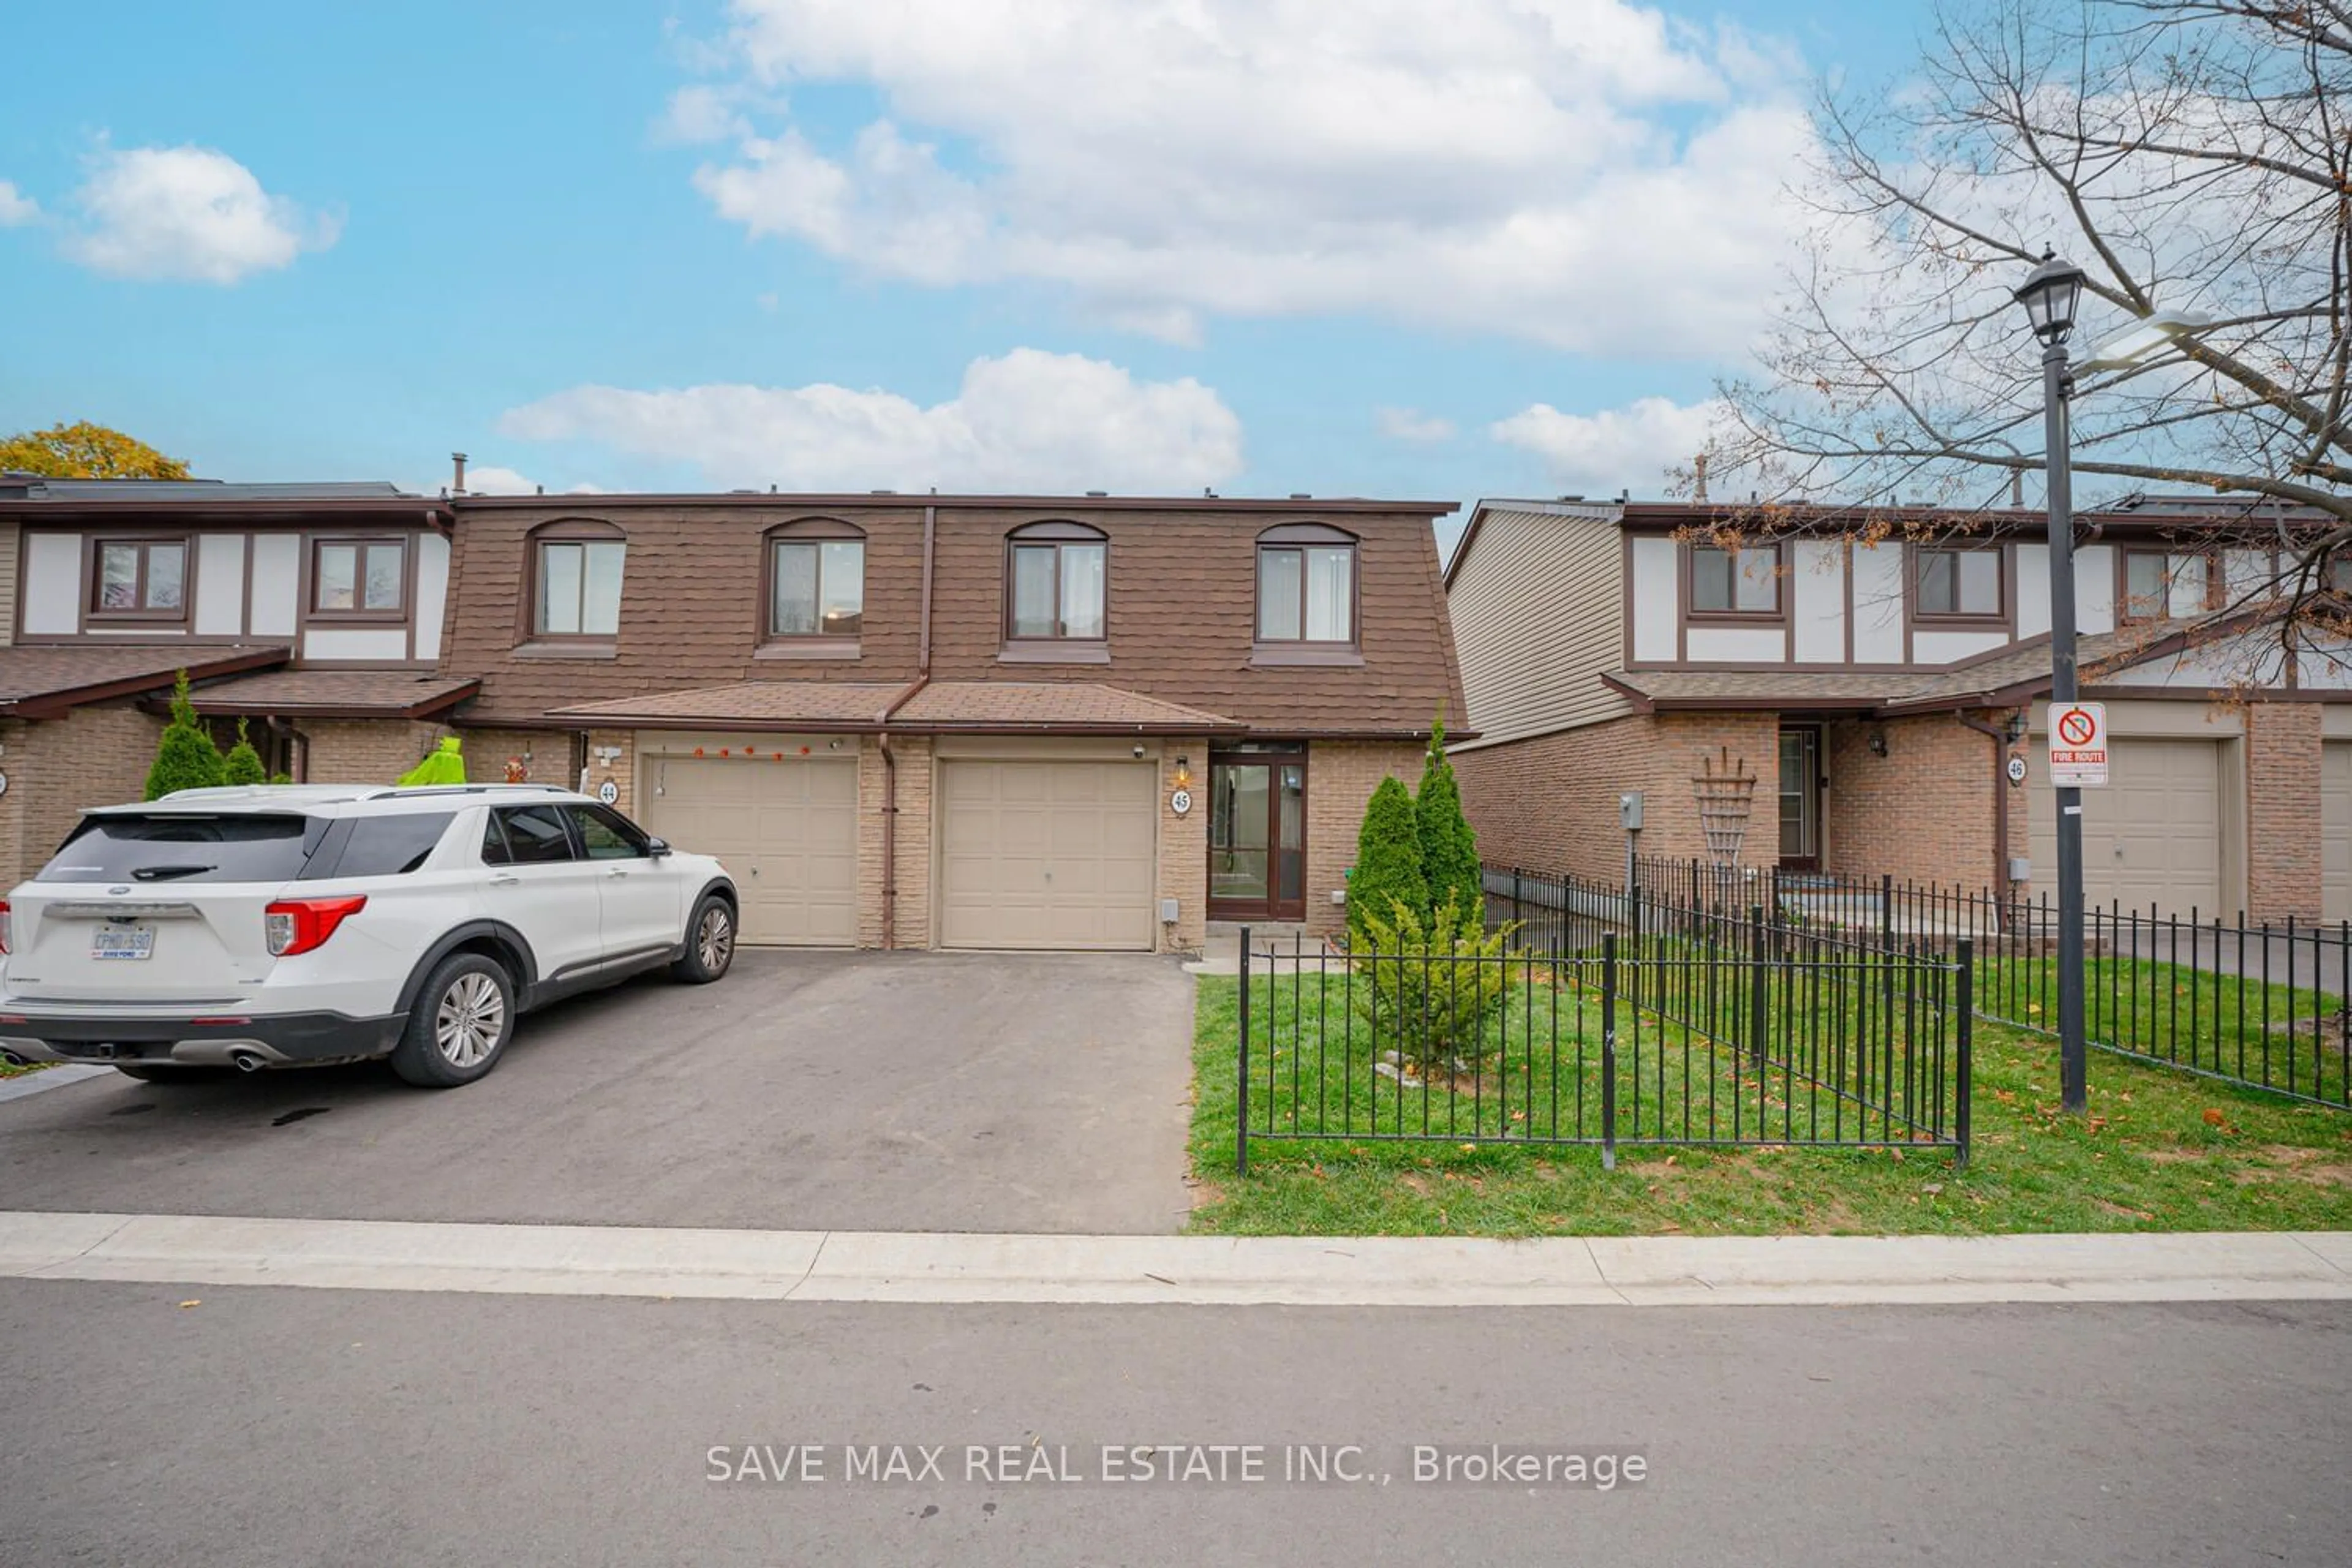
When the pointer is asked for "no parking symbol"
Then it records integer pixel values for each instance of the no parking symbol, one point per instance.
(2078, 745)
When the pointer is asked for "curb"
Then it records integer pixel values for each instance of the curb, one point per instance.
(913, 1267)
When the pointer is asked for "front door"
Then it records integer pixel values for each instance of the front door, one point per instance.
(1801, 797)
(1257, 835)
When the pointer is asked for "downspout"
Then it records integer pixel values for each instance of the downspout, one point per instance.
(2000, 734)
(890, 758)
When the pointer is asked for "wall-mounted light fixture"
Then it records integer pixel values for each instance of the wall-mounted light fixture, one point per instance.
(1184, 773)
(2016, 726)
(1878, 742)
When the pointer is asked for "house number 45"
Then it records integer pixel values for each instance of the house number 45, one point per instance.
(1180, 801)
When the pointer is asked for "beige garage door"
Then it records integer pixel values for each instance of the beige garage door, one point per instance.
(2153, 836)
(2336, 829)
(1046, 854)
(787, 831)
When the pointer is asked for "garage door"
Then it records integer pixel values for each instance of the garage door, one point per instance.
(787, 831)
(2153, 836)
(2336, 829)
(1046, 854)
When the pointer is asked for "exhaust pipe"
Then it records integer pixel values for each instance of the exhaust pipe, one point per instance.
(247, 1061)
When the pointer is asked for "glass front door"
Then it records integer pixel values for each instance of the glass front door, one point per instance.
(1800, 798)
(1257, 836)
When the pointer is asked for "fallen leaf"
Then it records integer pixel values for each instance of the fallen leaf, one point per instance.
(1932, 1188)
(2213, 1118)
(185, 1305)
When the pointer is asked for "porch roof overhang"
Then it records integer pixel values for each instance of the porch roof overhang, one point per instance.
(968, 706)
(50, 682)
(335, 694)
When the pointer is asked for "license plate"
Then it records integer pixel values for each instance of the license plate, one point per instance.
(123, 942)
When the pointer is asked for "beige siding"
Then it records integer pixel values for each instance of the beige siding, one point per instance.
(7, 584)
(1538, 612)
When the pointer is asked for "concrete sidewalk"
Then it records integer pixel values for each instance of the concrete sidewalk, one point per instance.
(872, 1266)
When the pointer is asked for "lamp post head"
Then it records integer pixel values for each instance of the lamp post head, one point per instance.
(2050, 297)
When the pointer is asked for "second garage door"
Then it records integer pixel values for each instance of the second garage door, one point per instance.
(2153, 836)
(787, 831)
(2335, 830)
(1046, 854)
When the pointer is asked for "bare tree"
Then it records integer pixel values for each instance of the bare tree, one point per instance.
(2191, 155)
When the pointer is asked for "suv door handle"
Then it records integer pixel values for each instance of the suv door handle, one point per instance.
(506, 881)
(617, 871)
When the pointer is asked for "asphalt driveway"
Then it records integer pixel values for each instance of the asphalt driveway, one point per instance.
(805, 1091)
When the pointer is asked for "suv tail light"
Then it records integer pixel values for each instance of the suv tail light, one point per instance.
(7, 929)
(298, 925)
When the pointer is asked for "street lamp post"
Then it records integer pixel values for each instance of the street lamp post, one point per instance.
(2050, 297)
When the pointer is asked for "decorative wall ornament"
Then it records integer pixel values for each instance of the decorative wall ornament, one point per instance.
(1726, 795)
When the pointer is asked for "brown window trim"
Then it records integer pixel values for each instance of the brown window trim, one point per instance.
(773, 644)
(1995, 620)
(314, 615)
(1688, 583)
(92, 614)
(1300, 537)
(2216, 589)
(1057, 534)
(529, 637)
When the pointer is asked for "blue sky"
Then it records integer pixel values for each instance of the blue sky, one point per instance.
(1332, 246)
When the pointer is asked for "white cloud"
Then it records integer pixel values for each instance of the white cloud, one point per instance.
(1578, 172)
(492, 480)
(15, 207)
(712, 111)
(1030, 420)
(187, 213)
(1411, 426)
(1617, 449)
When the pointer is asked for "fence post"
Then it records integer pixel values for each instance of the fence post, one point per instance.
(1760, 972)
(1609, 1051)
(1967, 1011)
(1241, 1116)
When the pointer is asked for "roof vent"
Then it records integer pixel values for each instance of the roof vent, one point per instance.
(1098, 495)
(1300, 495)
(1574, 498)
(881, 492)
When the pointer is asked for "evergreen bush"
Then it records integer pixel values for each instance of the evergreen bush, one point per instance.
(243, 763)
(1388, 872)
(186, 757)
(1433, 983)
(1449, 849)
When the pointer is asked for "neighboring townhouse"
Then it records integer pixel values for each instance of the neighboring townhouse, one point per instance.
(311, 611)
(1875, 694)
(968, 722)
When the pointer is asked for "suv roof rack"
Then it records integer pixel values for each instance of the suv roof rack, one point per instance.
(414, 792)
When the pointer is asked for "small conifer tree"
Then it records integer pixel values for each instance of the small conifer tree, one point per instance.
(1449, 848)
(186, 757)
(243, 763)
(1388, 864)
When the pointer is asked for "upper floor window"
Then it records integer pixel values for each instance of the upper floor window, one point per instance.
(816, 581)
(146, 579)
(358, 576)
(1742, 582)
(1305, 585)
(1960, 584)
(2164, 584)
(578, 580)
(1059, 577)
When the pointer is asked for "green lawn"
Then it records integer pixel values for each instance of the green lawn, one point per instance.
(2158, 1151)
(7, 1071)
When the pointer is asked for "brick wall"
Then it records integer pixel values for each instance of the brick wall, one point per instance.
(622, 770)
(365, 750)
(1924, 812)
(1184, 847)
(1550, 803)
(1340, 778)
(912, 919)
(94, 756)
(2283, 810)
(548, 753)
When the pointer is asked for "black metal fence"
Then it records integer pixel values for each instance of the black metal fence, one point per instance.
(1707, 1031)
(2265, 1005)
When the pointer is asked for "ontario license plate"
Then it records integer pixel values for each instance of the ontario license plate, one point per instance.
(123, 942)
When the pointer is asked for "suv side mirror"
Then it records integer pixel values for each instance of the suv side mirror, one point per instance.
(656, 848)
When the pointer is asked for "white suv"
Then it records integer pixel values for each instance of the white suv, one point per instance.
(293, 925)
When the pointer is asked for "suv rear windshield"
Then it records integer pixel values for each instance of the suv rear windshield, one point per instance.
(176, 848)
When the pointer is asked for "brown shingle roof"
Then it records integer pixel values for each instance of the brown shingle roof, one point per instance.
(1750, 688)
(980, 705)
(44, 682)
(1182, 607)
(1051, 705)
(800, 704)
(354, 693)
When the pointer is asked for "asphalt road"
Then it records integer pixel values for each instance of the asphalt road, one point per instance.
(912, 1091)
(267, 1426)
